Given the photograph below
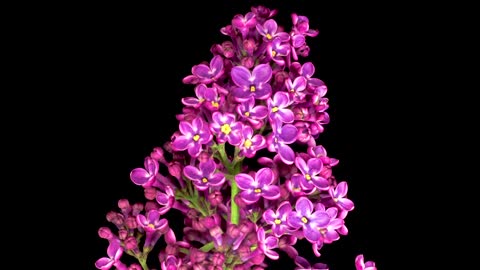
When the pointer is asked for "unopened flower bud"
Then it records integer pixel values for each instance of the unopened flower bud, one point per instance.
(122, 234)
(135, 266)
(150, 193)
(124, 206)
(175, 169)
(233, 231)
(247, 62)
(131, 222)
(249, 46)
(105, 233)
(218, 258)
(131, 243)
(137, 208)
(203, 157)
(215, 198)
(158, 154)
(197, 256)
(151, 205)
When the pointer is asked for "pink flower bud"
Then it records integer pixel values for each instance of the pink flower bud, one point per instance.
(215, 198)
(122, 234)
(158, 154)
(135, 266)
(131, 243)
(131, 222)
(197, 256)
(105, 233)
(247, 62)
(204, 156)
(151, 205)
(137, 208)
(233, 231)
(249, 46)
(218, 258)
(175, 169)
(150, 193)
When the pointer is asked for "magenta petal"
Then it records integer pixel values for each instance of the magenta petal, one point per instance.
(249, 196)
(269, 216)
(289, 133)
(286, 154)
(341, 189)
(190, 101)
(216, 64)
(271, 26)
(192, 173)
(151, 165)
(195, 150)
(186, 128)
(298, 41)
(181, 143)
(346, 204)
(104, 263)
(201, 71)
(307, 69)
(217, 179)
(286, 115)
(140, 176)
(244, 181)
(162, 198)
(271, 192)
(241, 76)
(207, 167)
(265, 176)
(262, 73)
(311, 234)
(303, 206)
(153, 215)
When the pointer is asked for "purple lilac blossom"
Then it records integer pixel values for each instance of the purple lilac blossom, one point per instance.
(360, 264)
(145, 177)
(226, 128)
(261, 185)
(307, 219)
(251, 143)
(252, 114)
(204, 176)
(338, 195)
(310, 177)
(278, 111)
(279, 140)
(278, 218)
(251, 84)
(114, 252)
(194, 135)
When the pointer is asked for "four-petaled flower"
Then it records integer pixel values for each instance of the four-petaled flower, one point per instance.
(114, 252)
(278, 142)
(204, 176)
(296, 88)
(252, 84)
(310, 177)
(226, 128)
(277, 50)
(259, 186)
(338, 195)
(251, 113)
(206, 74)
(244, 23)
(278, 111)
(269, 31)
(145, 177)
(278, 219)
(206, 96)
(309, 220)
(266, 244)
(152, 221)
(251, 143)
(195, 134)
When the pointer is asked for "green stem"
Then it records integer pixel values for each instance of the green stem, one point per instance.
(207, 247)
(235, 211)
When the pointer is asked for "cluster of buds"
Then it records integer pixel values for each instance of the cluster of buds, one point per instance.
(244, 167)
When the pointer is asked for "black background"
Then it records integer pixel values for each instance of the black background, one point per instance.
(126, 65)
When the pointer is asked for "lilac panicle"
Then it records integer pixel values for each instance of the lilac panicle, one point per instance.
(240, 204)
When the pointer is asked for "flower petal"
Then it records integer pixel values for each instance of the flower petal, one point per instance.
(262, 74)
(244, 181)
(241, 76)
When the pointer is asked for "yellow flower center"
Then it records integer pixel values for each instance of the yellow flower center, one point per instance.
(247, 114)
(252, 88)
(277, 221)
(322, 231)
(196, 137)
(304, 220)
(201, 100)
(215, 104)
(204, 180)
(257, 190)
(274, 53)
(150, 225)
(247, 143)
(275, 109)
(226, 129)
(308, 177)
(269, 36)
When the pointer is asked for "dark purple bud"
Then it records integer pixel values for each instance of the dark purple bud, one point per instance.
(215, 198)
(175, 169)
(203, 157)
(158, 154)
(199, 226)
(111, 215)
(150, 193)
(304, 50)
(118, 219)
(247, 62)
(137, 208)
(105, 233)
(135, 266)
(131, 222)
(218, 258)
(228, 49)
(151, 205)
(124, 205)
(249, 46)
(211, 221)
(131, 243)
(122, 234)
(197, 256)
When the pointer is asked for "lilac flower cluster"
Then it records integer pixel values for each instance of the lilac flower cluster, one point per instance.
(244, 167)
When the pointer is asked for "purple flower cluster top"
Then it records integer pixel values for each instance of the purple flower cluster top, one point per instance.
(244, 167)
